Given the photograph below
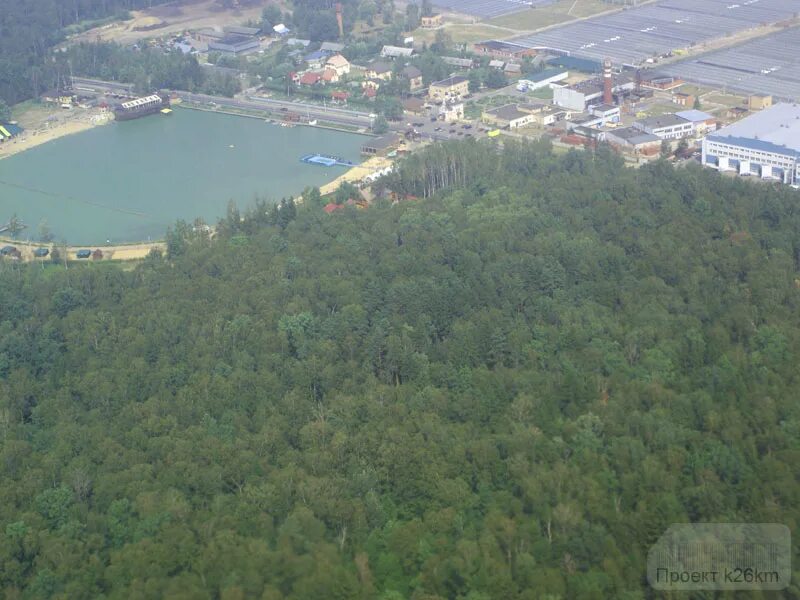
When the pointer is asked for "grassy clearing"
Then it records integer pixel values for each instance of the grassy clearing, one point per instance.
(463, 33)
(545, 16)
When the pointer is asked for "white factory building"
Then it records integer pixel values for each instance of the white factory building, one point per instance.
(582, 96)
(765, 144)
(667, 127)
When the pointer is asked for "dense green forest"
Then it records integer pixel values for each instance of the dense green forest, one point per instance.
(507, 390)
(148, 69)
(29, 29)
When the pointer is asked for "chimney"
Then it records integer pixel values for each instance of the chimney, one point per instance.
(339, 19)
(608, 95)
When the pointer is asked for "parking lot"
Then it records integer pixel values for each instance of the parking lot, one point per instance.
(438, 130)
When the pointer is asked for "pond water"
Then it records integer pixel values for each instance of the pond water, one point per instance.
(129, 181)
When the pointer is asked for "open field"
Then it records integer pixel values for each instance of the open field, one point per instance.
(462, 33)
(178, 17)
(560, 11)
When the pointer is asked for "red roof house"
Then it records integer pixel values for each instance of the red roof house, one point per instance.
(332, 207)
(310, 78)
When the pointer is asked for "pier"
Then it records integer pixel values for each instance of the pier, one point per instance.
(323, 160)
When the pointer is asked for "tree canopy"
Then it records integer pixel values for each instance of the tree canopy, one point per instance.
(508, 389)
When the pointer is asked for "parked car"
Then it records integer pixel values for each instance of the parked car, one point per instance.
(83, 253)
(7, 250)
(41, 252)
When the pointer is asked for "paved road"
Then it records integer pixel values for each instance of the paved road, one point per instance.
(332, 114)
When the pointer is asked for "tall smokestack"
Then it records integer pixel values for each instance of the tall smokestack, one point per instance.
(339, 19)
(608, 95)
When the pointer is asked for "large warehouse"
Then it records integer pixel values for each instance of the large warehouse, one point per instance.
(767, 65)
(765, 144)
(631, 37)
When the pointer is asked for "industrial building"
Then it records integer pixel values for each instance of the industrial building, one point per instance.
(487, 9)
(643, 34)
(765, 144)
(666, 127)
(764, 66)
(380, 146)
(630, 139)
(508, 116)
(498, 49)
(534, 81)
(9, 131)
(702, 121)
(583, 95)
(235, 44)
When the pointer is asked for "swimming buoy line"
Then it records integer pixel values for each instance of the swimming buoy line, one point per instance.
(54, 195)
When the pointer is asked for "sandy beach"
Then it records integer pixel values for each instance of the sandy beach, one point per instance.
(32, 138)
(357, 173)
(112, 252)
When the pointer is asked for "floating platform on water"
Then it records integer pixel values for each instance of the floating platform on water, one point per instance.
(324, 160)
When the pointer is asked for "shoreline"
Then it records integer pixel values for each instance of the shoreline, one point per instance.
(137, 250)
(268, 116)
(31, 139)
(118, 252)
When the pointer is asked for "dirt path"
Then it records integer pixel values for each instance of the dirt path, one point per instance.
(123, 252)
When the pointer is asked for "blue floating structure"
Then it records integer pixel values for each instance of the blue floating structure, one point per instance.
(323, 160)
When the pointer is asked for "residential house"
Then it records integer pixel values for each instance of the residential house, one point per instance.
(339, 97)
(316, 59)
(338, 63)
(396, 52)
(379, 70)
(414, 76)
(310, 78)
(453, 87)
(461, 63)
(333, 47)
(330, 76)
(431, 22)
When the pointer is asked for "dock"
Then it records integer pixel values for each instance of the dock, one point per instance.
(323, 160)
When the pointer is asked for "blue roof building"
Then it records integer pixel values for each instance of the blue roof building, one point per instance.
(765, 144)
(9, 130)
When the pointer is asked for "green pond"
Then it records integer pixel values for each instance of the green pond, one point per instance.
(129, 181)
